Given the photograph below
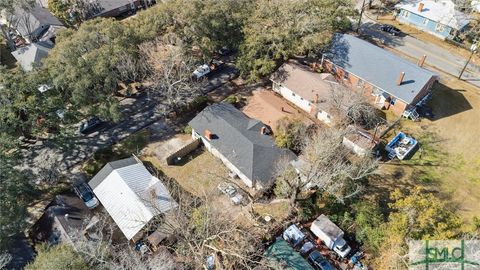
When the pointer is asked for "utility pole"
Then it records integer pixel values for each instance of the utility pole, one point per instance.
(473, 49)
(361, 15)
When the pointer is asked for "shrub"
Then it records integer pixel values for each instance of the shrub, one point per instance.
(187, 129)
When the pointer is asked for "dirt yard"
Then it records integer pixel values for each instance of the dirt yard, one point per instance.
(448, 160)
(266, 106)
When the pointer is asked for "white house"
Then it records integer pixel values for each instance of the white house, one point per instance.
(309, 90)
(131, 195)
(241, 143)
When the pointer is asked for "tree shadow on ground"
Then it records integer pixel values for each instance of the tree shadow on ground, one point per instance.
(447, 102)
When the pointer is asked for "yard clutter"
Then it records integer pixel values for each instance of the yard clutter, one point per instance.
(331, 235)
(401, 146)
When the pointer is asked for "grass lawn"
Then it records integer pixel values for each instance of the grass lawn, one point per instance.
(276, 209)
(448, 160)
(199, 174)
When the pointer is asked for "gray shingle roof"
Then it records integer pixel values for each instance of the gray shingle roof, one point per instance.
(238, 138)
(31, 54)
(378, 66)
(110, 167)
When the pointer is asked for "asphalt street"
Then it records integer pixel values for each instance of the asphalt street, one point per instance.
(437, 57)
(138, 113)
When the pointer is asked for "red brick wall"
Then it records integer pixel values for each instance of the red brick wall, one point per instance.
(367, 90)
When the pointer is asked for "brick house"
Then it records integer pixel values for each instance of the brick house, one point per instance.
(387, 80)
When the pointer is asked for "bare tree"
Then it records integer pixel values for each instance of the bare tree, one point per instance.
(327, 165)
(353, 108)
(5, 258)
(170, 72)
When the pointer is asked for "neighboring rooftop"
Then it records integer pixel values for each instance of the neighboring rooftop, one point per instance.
(379, 67)
(105, 6)
(303, 81)
(131, 195)
(65, 215)
(238, 138)
(285, 256)
(31, 55)
(442, 11)
(31, 20)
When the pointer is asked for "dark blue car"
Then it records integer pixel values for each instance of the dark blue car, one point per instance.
(319, 261)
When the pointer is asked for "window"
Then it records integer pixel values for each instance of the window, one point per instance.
(392, 101)
(425, 21)
(293, 94)
(345, 75)
(440, 27)
(376, 92)
(301, 98)
(334, 70)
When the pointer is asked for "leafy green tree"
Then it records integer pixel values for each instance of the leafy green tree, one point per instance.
(84, 64)
(61, 257)
(277, 30)
(15, 193)
(369, 224)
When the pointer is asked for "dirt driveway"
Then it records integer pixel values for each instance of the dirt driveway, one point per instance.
(268, 107)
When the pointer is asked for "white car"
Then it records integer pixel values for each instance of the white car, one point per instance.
(231, 192)
(201, 71)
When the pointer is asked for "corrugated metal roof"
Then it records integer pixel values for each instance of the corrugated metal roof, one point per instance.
(378, 66)
(131, 195)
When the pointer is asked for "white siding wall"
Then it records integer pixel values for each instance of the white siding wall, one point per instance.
(225, 161)
(355, 148)
(324, 117)
(292, 97)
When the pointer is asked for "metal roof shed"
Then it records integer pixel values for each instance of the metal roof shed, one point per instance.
(131, 195)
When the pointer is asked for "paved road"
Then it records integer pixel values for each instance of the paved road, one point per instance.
(137, 113)
(437, 57)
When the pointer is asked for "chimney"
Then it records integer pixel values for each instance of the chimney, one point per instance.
(315, 100)
(400, 79)
(208, 134)
(420, 7)
(422, 60)
(263, 130)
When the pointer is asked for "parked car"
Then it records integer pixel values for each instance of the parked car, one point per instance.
(392, 30)
(205, 69)
(225, 51)
(228, 189)
(293, 235)
(307, 247)
(319, 261)
(89, 125)
(331, 235)
(85, 193)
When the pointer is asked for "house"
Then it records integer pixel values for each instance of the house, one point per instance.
(387, 80)
(33, 23)
(437, 17)
(31, 55)
(241, 143)
(116, 8)
(131, 195)
(63, 217)
(308, 90)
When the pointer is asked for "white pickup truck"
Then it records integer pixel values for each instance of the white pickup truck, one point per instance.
(205, 69)
(331, 235)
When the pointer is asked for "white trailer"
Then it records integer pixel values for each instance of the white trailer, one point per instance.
(331, 235)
